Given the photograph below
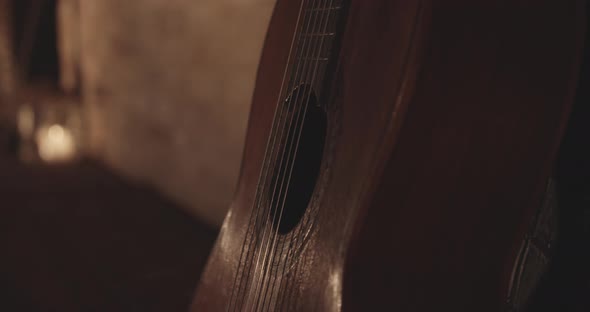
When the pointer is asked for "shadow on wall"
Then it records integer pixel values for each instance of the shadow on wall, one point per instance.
(167, 88)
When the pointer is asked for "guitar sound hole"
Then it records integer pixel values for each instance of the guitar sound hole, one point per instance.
(303, 148)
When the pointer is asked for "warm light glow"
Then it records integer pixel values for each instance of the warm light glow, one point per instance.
(55, 144)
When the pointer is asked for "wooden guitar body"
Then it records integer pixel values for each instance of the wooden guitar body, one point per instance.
(440, 121)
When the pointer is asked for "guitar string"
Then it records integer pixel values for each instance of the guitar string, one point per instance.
(310, 79)
(266, 163)
(296, 101)
(325, 20)
(300, 98)
(261, 207)
(288, 295)
(267, 264)
(267, 226)
(259, 240)
(252, 231)
(290, 291)
(328, 22)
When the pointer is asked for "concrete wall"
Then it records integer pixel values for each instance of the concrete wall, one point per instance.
(167, 86)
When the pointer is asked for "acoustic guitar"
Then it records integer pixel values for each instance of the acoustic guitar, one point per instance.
(396, 153)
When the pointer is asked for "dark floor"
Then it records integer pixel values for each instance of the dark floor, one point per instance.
(79, 238)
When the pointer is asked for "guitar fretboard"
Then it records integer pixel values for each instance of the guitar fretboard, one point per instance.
(315, 38)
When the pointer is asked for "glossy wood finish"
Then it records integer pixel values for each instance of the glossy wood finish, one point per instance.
(445, 120)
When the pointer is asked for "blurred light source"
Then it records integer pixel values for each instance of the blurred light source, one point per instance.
(50, 127)
(56, 144)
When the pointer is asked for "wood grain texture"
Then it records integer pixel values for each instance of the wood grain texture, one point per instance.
(444, 121)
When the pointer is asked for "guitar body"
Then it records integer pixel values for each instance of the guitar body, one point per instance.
(438, 126)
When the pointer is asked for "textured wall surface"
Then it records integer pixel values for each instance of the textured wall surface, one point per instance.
(7, 75)
(167, 87)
